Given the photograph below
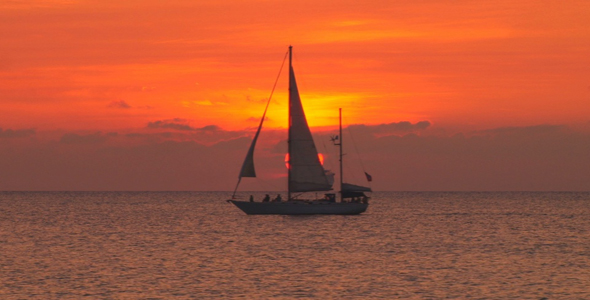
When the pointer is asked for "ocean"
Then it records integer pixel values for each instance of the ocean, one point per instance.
(194, 245)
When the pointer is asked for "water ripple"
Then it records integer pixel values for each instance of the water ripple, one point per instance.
(72, 245)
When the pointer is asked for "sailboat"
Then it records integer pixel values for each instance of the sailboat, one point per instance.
(305, 171)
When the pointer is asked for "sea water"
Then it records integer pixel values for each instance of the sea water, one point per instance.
(194, 245)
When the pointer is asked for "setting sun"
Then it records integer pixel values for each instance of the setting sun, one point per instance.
(320, 157)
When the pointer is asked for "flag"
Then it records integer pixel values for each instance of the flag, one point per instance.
(369, 177)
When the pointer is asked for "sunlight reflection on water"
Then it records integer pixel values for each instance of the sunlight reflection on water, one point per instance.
(195, 245)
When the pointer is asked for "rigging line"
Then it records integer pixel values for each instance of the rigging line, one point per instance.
(275, 85)
(356, 149)
(272, 92)
(233, 196)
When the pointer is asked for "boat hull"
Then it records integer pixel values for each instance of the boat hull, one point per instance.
(300, 208)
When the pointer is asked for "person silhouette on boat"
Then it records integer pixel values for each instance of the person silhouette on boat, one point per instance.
(266, 198)
(251, 198)
(278, 198)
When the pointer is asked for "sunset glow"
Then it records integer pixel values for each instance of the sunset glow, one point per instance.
(484, 65)
(141, 73)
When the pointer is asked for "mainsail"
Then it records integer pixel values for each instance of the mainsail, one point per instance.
(306, 173)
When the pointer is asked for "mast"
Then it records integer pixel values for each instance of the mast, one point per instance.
(289, 130)
(340, 145)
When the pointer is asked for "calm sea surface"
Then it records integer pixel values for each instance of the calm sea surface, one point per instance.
(146, 245)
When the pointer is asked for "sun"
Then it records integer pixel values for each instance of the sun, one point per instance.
(320, 157)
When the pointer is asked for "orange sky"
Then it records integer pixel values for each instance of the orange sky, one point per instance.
(109, 72)
(110, 65)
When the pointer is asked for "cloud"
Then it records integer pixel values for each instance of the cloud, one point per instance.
(134, 135)
(543, 157)
(19, 133)
(525, 130)
(168, 165)
(179, 129)
(209, 128)
(174, 124)
(119, 104)
(181, 125)
(85, 139)
(390, 128)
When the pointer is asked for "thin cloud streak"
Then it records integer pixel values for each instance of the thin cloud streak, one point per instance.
(16, 133)
(119, 104)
